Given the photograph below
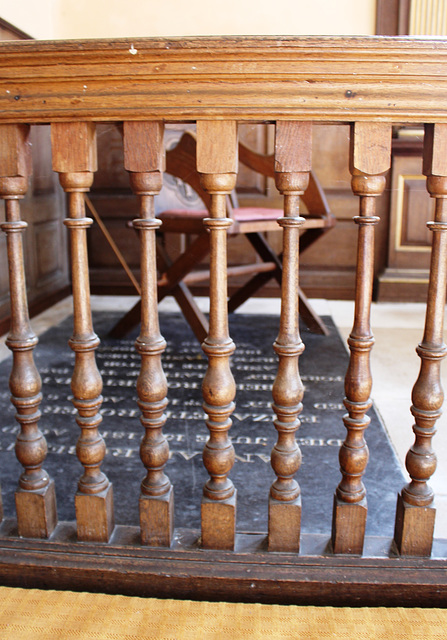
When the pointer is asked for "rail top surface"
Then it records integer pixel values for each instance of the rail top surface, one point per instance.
(329, 79)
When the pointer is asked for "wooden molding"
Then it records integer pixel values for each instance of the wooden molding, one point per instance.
(6, 28)
(303, 78)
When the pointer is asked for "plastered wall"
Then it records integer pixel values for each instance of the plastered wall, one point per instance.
(61, 19)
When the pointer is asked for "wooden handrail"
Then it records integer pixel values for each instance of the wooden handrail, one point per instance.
(324, 79)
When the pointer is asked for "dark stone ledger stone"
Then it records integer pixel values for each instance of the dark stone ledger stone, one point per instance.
(322, 367)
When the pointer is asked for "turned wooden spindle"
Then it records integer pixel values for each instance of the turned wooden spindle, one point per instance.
(74, 158)
(35, 497)
(293, 146)
(217, 164)
(144, 159)
(415, 514)
(370, 158)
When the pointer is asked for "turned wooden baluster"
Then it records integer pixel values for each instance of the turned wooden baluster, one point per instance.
(217, 164)
(415, 515)
(293, 146)
(369, 160)
(35, 497)
(144, 159)
(74, 158)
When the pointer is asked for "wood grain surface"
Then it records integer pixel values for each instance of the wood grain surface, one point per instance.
(328, 79)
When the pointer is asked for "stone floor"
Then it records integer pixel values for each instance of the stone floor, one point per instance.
(397, 328)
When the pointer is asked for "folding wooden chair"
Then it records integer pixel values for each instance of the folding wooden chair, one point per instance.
(176, 276)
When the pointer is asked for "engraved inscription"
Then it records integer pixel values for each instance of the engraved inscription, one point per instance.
(252, 435)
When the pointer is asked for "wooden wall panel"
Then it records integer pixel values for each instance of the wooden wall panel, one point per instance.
(43, 208)
(45, 248)
(406, 274)
(392, 17)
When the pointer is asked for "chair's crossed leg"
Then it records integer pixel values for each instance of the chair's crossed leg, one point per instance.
(171, 283)
(266, 253)
(174, 281)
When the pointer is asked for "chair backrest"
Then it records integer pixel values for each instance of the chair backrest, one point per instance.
(181, 163)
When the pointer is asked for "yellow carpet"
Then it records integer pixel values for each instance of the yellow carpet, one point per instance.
(31, 614)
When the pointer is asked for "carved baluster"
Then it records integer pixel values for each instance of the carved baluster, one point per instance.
(217, 164)
(415, 516)
(369, 160)
(293, 145)
(74, 158)
(35, 497)
(144, 159)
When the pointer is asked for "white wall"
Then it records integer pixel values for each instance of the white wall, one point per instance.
(120, 18)
(214, 17)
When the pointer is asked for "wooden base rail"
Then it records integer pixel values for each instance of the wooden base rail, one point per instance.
(294, 83)
(250, 573)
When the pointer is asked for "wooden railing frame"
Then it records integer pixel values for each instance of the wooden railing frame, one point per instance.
(369, 83)
(323, 79)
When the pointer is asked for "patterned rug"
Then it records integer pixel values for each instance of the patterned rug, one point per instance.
(31, 614)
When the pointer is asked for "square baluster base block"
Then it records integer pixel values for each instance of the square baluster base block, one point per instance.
(284, 525)
(36, 512)
(219, 523)
(413, 532)
(348, 527)
(94, 516)
(157, 519)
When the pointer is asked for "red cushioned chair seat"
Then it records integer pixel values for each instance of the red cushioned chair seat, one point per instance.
(241, 214)
(182, 213)
(249, 214)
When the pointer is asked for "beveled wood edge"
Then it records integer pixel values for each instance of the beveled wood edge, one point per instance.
(182, 43)
(125, 541)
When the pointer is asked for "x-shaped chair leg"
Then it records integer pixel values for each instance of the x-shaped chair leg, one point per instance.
(266, 253)
(171, 283)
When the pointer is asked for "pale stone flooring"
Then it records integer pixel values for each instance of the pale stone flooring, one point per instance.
(394, 363)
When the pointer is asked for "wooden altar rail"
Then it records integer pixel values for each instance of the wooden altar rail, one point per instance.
(370, 83)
